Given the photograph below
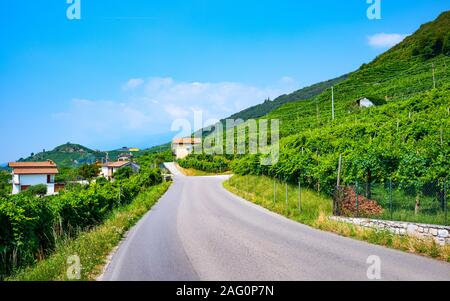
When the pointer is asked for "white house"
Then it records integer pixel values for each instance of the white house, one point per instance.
(182, 147)
(108, 169)
(365, 103)
(26, 174)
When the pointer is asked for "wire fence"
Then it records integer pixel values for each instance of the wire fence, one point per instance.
(426, 203)
(388, 200)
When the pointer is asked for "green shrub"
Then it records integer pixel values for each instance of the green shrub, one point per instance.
(36, 190)
(208, 163)
(30, 226)
(123, 173)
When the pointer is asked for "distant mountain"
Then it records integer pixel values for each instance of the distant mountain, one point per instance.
(156, 149)
(302, 94)
(73, 155)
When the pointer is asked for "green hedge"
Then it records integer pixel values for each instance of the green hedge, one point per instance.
(208, 163)
(31, 226)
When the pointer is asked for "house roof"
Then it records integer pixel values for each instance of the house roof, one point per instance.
(35, 171)
(45, 164)
(187, 141)
(33, 168)
(116, 164)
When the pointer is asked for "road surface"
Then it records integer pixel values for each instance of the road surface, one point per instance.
(200, 231)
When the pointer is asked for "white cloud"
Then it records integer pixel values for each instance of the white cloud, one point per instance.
(385, 40)
(132, 84)
(176, 112)
(287, 80)
(152, 109)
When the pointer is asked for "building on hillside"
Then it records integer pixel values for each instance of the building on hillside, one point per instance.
(369, 102)
(108, 169)
(125, 157)
(26, 174)
(182, 147)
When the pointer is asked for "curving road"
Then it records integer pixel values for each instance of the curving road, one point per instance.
(200, 231)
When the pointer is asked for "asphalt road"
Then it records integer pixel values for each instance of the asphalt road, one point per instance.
(200, 231)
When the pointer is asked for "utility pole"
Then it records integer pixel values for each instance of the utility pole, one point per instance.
(332, 102)
(434, 78)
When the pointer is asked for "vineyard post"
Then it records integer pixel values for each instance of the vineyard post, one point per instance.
(445, 201)
(339, 171)
(357, 199)
(337, 197)
(390, 196)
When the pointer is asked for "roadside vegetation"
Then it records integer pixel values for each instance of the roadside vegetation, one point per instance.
(192, 172)
(34, 225)
(206, 163)
(92, 246)
(315, 208)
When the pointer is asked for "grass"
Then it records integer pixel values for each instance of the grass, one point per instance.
(260, 190)
(93, 246)
(314, 211)
(191, 172)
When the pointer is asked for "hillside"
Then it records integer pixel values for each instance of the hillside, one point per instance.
(73, 155)
(406, 139)
(270, 105)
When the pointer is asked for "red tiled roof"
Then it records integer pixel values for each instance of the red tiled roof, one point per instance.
(116, 164)
(35, 171)
(44, 164)
(187, 141)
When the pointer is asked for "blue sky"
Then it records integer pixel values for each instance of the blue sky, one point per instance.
(127, 69)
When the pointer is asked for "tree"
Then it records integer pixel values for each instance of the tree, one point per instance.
(123, 173)
(89, 171)
(5, 187)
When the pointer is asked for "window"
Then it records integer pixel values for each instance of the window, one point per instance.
(50, 179)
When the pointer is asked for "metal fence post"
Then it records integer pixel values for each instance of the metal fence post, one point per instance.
(357, 199)
(390, 197)
(445, 202)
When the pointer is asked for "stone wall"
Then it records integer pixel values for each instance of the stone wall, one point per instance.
(441, 234)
